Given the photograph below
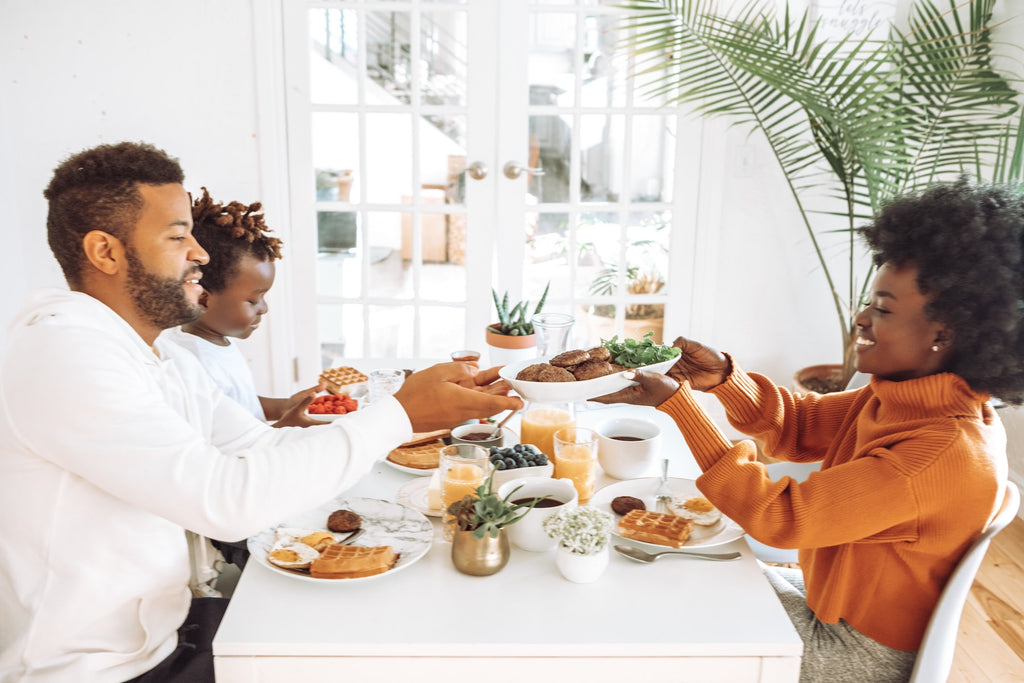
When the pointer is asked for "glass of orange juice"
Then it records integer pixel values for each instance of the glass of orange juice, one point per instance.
(540, 421)
(463, 470)
(576, 459)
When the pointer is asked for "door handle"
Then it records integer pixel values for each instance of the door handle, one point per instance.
(477, 170)
(514, 169)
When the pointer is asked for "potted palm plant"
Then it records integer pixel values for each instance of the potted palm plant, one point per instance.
(851, 123)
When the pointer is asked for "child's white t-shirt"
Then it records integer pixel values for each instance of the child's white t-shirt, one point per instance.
(226, 365)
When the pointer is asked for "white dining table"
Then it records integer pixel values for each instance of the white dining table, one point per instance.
(677, 619)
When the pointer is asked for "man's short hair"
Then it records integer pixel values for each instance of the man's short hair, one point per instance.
(97, 189)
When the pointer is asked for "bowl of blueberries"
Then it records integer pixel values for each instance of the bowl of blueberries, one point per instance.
(521, 460)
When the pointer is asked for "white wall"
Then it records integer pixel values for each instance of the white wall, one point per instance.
(73, 75)
(183, 76)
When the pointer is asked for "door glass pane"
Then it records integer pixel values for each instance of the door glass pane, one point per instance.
(333, 56)
(442, 62)
(550, 148)
(388, 265)
(652, 158)
(391, 326)
(601, 141)
(552, 57)
(336, 156)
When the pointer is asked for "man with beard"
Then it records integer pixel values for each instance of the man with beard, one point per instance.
(112, 443)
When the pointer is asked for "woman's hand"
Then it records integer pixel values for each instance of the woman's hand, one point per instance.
(653, 389)
(701, 366)
(447, 394)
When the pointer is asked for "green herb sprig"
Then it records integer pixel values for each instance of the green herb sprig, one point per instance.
(631, 353)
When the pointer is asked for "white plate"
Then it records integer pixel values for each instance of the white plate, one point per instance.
(413, 493)
(511, 439)
(385, 523)
(542, 392)
(723, 532)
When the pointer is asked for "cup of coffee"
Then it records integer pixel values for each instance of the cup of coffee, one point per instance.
(628, 447)
(551, 494)
(483, 435)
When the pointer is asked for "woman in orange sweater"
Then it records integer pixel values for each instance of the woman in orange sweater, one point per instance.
(912, 465)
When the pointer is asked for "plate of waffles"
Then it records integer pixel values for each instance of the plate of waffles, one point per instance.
(344, 380)
(702, 534)
(393, 536)
(572, 389)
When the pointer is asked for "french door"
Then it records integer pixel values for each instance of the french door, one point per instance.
(439, 149)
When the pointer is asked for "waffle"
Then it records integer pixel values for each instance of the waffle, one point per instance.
(338, 380)
(352, 561)
(422, 457)
(655, 527)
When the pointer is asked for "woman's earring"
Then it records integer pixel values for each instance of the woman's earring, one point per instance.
(935, 347)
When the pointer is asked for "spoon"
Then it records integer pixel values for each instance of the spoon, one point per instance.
(642, 556)
(497, 428)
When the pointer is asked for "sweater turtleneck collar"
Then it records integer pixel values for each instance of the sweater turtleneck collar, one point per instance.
(941, 395)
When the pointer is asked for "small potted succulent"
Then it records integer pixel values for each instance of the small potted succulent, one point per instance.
(582, 534)
(480, 546)
(512, 337)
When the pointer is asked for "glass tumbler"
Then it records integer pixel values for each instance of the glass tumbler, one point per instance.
(552, 330)
(384, 382)
(576, 459)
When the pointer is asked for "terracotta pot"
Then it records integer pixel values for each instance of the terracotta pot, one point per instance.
(819, 378)
(506, 348)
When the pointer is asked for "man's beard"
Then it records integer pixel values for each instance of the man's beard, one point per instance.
(161, 300)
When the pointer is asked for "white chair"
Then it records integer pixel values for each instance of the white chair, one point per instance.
(935, 658)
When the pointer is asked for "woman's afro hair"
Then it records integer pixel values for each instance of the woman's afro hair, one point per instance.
(965, 241)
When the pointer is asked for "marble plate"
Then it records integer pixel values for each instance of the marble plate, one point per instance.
(384, 523)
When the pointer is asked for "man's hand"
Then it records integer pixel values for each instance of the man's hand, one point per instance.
(448, 394)
(294, 414)
(701, 366)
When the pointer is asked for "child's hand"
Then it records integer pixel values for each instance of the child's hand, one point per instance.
(294, 414)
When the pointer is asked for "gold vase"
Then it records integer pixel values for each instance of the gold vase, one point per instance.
(480, 556)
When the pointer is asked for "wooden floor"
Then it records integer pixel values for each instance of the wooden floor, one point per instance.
(991, 642)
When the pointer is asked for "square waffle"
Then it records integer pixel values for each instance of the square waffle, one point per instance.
(338, 380)
(352, 561)
(424, 456)
(655, 527)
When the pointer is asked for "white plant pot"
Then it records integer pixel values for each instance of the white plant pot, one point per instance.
(581, 568)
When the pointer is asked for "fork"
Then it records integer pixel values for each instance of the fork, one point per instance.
(641, 556)
(664, 494)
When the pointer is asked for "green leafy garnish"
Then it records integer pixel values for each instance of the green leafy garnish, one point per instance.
(631, 353)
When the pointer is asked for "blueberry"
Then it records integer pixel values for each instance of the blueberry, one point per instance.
(499, 464)
(509, 463)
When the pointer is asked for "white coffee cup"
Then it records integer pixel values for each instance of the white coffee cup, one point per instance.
(628, 447)
(528, 533)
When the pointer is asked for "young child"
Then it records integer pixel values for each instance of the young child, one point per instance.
(235, 282)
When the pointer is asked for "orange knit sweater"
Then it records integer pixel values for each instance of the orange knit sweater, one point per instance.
(910, 475)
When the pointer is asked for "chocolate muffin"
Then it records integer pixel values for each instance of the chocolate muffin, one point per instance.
(344, 520)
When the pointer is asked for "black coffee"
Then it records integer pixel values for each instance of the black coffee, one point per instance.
(627, 438)
(541, 502)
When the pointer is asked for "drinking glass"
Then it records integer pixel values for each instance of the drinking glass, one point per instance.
(463, 470)
(384, 382)
(540, 421)
(576, 459)
(552, 330)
